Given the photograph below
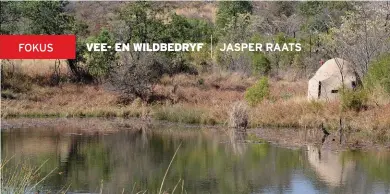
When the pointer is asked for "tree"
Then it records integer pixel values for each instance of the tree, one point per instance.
(99, 64)
(135, 76)
(236, 61)
(46, 17)
(228, 11)
(318, 19)
(260, 64)
(286, 8)
(142, 23)
(320, 16)
(9, 17)
(182, 29)
(137, 72)
(362, 37)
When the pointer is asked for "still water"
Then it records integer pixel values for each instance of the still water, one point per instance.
(207, 161)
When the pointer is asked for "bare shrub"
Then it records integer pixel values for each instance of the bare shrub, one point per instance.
(135, 75)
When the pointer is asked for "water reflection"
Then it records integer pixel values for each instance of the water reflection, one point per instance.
(208, 162)
(237, 140)
(329, 166)
(347, 172)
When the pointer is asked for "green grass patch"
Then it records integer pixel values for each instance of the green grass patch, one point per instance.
(182, 114)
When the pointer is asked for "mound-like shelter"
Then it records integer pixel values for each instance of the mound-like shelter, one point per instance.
(329, 79)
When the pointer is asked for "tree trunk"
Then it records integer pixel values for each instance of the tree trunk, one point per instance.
(80, 74)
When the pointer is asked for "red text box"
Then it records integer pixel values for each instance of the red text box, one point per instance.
(37, 46)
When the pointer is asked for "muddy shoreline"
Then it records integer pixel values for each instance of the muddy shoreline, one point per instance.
(285, 137)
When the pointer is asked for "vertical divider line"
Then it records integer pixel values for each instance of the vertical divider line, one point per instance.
(211, 47)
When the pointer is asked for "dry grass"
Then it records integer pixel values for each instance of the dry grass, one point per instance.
(287, 106)
(199, 10)
(204, 99)
(35, 67)
(69, 100)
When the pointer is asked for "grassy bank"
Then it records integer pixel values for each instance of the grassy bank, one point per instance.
(205, 99)
(22, 178)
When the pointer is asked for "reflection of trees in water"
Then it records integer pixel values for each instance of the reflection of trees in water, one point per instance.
(87, 162)
(204, 163)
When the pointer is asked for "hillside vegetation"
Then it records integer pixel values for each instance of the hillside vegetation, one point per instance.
(192, 87)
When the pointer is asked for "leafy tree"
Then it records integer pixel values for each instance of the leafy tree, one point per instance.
(182, 29)
(137, 72)
(75, 65)
(282, 59)
(236, 61)
(9, 17)
(320, 16)
(298, 63)
(259, 60)
(261, 64)
(143, 23)
(100, 63)
(47, 17)
(228, 11)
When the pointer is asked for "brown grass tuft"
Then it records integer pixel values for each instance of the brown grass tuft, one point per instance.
(238, 116)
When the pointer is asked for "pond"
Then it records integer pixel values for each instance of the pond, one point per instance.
(207, 161)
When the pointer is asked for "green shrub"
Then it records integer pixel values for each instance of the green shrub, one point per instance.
(354, 99)
(379, 73)
(260, 64)
(256, 93)
(100, 63)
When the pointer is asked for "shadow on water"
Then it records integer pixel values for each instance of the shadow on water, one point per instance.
(207, 161)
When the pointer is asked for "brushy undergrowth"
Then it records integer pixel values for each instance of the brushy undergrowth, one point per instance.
(354, 99)
(379, 74)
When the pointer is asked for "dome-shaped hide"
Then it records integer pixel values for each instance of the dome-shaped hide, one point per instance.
(329, 78)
